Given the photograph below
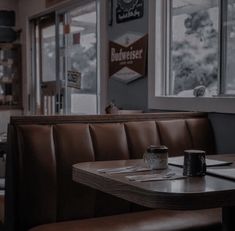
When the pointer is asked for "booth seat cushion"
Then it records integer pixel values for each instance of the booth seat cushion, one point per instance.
(72, 198)
(2, 202)
(109, 141)
(140, 135)
(179, 135)
(154, 220)
(202, 134)
(175, 135)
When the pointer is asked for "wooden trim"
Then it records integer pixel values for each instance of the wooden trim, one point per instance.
(59, 119)
(50, 3)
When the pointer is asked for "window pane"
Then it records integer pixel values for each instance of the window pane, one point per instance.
(194, 48)
(48, 53)
(229, 29)
(83, 48)
(80, 56)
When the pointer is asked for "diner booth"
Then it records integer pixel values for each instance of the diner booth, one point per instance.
(117, 115)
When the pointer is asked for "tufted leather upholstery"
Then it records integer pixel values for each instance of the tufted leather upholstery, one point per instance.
(39, 182)
(1, 207)
(37, 169)
(201, 134)
(109, 141)
(175, 135)
(76, 139)
(140, 135)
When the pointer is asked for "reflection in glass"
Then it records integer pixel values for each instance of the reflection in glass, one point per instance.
(81, 60)
(83, 48)
(48, 53)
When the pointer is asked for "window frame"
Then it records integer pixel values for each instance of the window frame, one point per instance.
(157, 98)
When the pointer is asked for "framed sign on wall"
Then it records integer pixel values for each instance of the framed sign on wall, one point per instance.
(129, 10)
(128, 57)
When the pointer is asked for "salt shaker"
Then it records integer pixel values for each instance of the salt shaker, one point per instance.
(156, 157)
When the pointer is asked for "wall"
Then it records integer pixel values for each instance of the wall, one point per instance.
(132, 95)
(224, 130)
(10, 5)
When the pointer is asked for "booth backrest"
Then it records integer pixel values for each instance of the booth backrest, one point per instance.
(39, 186)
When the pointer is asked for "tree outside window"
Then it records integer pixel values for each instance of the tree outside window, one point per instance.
(194, 48)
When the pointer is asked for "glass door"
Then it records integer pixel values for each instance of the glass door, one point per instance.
(64, 58)
(78, 58)
(44, 90)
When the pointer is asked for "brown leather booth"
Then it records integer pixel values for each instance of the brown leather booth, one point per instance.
(39, 187)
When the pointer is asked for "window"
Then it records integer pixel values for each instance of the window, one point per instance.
(193, 49)
(78, 58)
(191, 64)
(48, 52)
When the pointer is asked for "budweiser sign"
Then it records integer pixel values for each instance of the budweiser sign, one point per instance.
(127, 57)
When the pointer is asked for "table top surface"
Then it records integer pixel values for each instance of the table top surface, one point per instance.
(187, 193)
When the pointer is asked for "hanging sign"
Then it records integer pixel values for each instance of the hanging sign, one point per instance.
(76, 38)
(74, 79)
(127, 57)
(129, 9)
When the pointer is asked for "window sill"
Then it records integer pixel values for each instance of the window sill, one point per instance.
(203, 104)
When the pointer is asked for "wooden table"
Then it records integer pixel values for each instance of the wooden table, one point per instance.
(182, 194)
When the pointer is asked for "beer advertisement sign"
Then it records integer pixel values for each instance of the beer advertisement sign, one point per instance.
(128, 57)
(129, 10)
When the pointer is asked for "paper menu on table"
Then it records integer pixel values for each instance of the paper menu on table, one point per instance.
(179, 161)
(228, 173)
